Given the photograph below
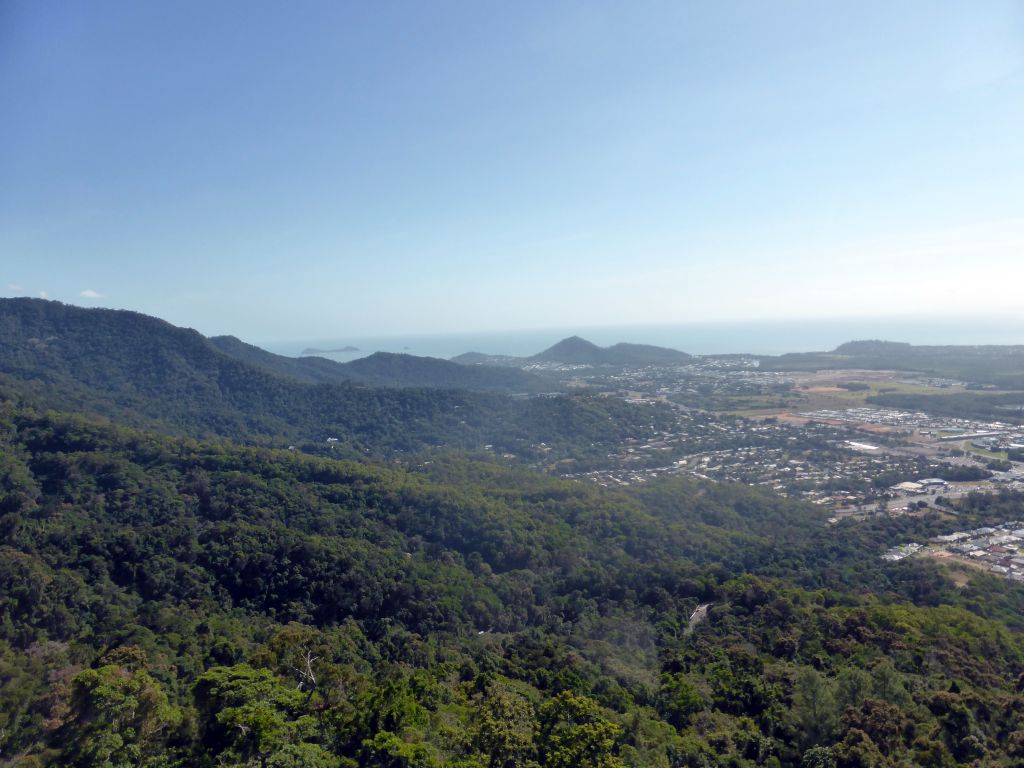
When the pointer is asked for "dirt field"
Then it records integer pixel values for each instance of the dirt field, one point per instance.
(958, 568)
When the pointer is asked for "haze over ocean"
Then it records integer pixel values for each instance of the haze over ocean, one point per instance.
(765, 338)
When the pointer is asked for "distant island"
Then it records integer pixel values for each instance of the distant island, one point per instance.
(314, 351)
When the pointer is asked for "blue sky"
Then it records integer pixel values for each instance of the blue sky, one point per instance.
(309, 170)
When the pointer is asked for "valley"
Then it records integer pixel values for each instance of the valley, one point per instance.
(814, 435)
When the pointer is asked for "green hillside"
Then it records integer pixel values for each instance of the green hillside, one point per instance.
(166, 602)
(147, 373)
(385, 369)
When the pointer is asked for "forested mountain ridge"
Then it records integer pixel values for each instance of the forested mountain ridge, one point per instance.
(385, 369)
(306, 369)
(167, 602)
(148, 373)
(392, 369)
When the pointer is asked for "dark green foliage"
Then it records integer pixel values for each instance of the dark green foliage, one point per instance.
(117, 718)
(167, 602)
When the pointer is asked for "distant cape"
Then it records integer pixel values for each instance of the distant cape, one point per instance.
(314, 351)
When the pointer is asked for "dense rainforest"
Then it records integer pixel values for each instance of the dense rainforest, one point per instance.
(172, 602)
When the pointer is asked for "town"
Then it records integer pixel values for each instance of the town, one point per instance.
(993, 548)
(810, 436)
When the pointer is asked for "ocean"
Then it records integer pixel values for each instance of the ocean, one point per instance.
(763, 338)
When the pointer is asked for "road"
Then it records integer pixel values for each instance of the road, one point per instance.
(697, 617)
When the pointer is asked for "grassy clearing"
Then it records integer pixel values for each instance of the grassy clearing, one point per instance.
(839, 398)
(1002, 455)
(758, 413)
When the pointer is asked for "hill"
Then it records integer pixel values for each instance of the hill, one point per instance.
(577, 351)
(644, 354)
(396, 370)
(1000, 366)
(873, 347)
(482, 358)
(572, 350)
(166, 602)
(145, 372)
(384, 369)
(306, 369)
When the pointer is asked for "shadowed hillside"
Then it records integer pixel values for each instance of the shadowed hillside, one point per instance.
(385, 369)
(145, 372)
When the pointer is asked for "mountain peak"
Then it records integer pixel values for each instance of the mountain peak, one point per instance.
(573, 350)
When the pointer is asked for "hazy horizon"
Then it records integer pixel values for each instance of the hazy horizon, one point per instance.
(761, 336)
(754, 337)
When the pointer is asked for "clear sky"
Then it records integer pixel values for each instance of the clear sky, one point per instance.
(321, 169)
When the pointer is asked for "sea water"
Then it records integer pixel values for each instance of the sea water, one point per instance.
(761, 338)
